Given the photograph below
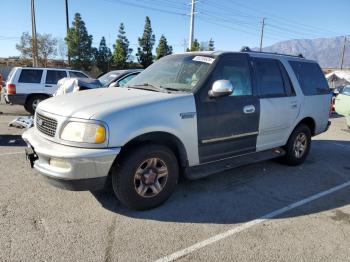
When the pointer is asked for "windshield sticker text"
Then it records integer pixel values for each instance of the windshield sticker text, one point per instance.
(203, 59)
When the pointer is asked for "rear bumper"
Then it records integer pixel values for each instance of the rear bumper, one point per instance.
(17, 99)
(69, 167)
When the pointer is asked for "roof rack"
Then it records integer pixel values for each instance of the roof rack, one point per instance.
(248, 50)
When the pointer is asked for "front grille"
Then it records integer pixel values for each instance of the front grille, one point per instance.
(46, 125)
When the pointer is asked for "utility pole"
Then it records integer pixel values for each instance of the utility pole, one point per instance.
(67, 25)
(190, 42)
(34, 38)
(343, 53)
(262, 33)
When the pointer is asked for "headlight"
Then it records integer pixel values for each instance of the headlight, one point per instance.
(84, 133)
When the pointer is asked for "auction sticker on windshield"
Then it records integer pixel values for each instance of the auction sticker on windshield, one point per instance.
(204, 59)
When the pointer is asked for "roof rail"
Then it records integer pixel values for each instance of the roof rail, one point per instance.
(248, 50)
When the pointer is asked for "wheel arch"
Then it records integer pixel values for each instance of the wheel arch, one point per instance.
(310, 122)
(162, 138)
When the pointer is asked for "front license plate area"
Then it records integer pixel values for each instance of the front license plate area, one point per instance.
(31, 156)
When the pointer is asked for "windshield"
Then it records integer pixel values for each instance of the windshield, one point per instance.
(175, 73)
(107, 78)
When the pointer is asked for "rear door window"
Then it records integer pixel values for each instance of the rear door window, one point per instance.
(77, 74)
(32, 76)
(52, 76)
(310, 77)
(269, 77)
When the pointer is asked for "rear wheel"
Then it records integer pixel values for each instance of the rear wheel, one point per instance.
(298, 145)
(145, 177)
(32, 103)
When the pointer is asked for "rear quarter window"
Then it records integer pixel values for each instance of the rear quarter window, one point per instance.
(310, 77)
(32, 76)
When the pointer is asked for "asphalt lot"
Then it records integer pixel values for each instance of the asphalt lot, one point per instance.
(226, 217)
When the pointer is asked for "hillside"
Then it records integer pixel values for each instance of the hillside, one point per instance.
(327, 51)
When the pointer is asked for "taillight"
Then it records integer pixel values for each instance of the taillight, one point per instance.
(11, 89)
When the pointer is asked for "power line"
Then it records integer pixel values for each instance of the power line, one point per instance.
(144, 7)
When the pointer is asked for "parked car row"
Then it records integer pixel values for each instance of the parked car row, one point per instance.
(30, 86)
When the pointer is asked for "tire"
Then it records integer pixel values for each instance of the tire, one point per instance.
(32, 102)
(140, 173)
(293, 156)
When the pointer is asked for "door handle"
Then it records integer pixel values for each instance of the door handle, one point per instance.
(48, 85)
(249, 109)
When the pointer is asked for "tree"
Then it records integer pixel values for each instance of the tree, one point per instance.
(47, 47)
(62, 50)
(121, 52)
(46, 44)
(25, 46)
(103, 56)
(163, 48)
(211, 45)
(195, 46)
(79, 44)
(146, 43)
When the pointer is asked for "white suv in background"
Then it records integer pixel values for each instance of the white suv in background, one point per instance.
(28, 86)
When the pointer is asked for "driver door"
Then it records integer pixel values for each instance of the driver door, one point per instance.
(228, 126)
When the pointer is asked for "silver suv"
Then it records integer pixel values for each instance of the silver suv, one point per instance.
(191, 115)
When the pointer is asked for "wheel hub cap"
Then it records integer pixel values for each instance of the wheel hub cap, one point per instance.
(150, 177)
(300, 145)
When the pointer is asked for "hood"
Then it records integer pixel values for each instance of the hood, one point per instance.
(86, 104)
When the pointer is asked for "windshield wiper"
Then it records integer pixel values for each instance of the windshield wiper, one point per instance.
(155, 88)
(148, 86)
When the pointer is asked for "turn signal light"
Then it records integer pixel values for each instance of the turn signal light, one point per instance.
(11, 89)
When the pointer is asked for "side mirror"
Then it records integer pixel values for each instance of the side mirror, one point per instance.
(115, 84)
(221, 88)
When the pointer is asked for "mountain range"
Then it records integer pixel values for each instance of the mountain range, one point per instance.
(327, 51)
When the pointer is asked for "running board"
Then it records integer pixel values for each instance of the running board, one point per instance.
(206, 169)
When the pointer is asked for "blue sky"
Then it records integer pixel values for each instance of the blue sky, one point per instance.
(232, 24)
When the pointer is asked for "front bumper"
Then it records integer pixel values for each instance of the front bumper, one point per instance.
(70, 167)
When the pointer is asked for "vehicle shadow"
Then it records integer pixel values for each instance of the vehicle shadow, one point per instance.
(11, 140)
(252, 191)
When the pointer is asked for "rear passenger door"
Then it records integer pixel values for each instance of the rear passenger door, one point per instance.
(52, 77)
(279, 105)
(30, 80)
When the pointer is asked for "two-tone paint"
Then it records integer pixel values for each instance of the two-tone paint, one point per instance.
(206, 129)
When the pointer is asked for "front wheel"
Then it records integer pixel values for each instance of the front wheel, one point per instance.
(145, 177)
(298, 145)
